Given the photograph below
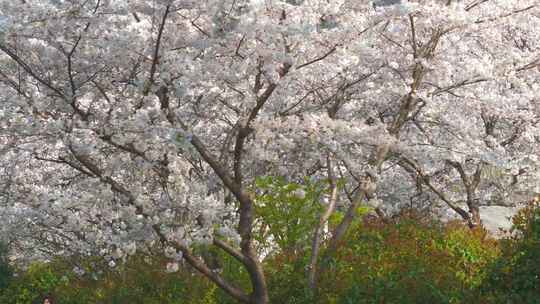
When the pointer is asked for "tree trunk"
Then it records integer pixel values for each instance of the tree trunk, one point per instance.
(475, 220)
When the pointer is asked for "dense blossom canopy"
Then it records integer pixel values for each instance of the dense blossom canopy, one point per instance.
(122, 122)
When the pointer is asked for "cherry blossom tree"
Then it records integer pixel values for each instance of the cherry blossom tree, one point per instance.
(126, 123)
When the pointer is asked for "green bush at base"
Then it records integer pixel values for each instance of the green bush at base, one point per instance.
(515, 276)
(408, 261)
(411, 263)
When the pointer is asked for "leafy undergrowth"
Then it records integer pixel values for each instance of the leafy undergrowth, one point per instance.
(408, 261)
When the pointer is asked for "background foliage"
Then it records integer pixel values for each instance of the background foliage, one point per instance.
(515, 275)
(408, 260)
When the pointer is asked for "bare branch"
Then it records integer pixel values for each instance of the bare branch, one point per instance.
(410, 165)
(29, 70)
(155, 58)
(322, 57)
(198, 264)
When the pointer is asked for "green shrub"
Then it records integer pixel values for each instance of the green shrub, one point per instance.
(6, 271)
(515, 276)
(287, 212)
(143, 280)
(37, 280)
(136, 281)
(286, 275)
(409, 262)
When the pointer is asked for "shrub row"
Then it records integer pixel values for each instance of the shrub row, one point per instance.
(407, 261)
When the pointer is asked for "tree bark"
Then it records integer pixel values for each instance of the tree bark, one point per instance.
(318, 232)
